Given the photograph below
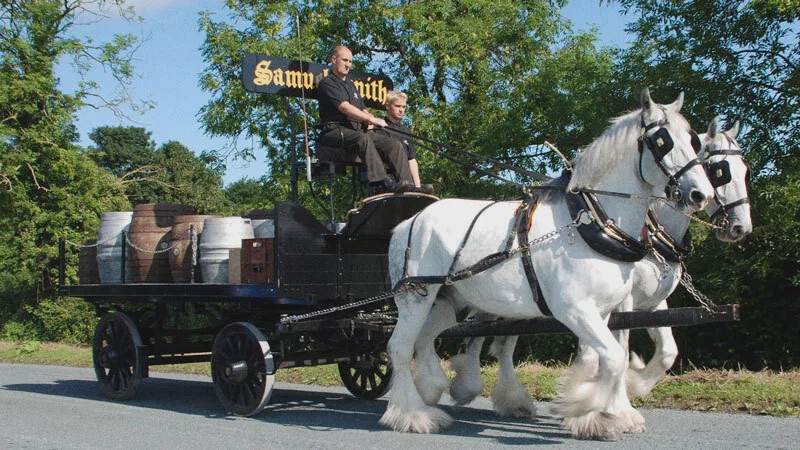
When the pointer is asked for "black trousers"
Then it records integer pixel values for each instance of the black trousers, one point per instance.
(371, 147)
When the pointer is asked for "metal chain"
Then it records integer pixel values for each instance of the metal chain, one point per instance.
(665, 266)
(139, 249)
(686, 281)
(419, 286)
(691, 216)
(193, 232)
(366, 301)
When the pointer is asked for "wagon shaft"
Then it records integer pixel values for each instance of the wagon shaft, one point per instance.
(674, 317)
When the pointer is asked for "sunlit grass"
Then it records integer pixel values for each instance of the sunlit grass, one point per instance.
(740, 391)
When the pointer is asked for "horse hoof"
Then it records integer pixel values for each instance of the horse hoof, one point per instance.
(424, 421)
(633, 422)
(598, 426)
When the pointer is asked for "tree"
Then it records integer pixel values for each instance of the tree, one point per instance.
(122, 150)
(473, 72)
(732, 58)
(47, 188)
(169, 174)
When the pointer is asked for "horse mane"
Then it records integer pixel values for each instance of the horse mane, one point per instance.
(608, 150)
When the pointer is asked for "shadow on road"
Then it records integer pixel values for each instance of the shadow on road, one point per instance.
(316, 408)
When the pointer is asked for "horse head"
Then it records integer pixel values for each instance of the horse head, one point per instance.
(729, 175)
(668, 148)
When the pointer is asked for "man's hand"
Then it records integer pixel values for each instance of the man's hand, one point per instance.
(377, 121)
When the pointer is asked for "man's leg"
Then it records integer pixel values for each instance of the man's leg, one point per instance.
(395, 152)
(361, 143)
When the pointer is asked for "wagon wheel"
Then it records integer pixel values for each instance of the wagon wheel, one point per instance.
(242, 369)
(116, 353)
(368, 377)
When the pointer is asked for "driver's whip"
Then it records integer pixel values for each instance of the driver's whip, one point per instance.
(303, 101)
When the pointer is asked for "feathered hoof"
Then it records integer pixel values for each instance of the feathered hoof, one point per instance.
(424, 421)
(465, 387)
(638, 382)
(597, 426)
(513, 403)
(430, 389)
(632, 421)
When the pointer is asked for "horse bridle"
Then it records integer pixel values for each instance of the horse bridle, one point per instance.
(719, 174)
(660, 143)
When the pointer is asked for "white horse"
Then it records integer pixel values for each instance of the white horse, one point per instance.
(653, 283)
(639, 155)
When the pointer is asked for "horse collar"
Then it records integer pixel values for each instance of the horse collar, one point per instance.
(665, 244)
(601, 233)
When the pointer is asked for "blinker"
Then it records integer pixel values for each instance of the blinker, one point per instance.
(661, 143)
(719, 173)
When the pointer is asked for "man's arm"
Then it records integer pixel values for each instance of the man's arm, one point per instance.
(361, 115)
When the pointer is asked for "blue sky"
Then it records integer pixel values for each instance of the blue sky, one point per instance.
(169, 62)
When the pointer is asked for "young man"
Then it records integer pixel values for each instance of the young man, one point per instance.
(343, 122)
(396, 102)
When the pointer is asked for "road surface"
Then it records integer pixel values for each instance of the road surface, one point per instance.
(60, 407)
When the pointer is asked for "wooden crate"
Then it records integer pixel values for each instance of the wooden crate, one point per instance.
(258, 260)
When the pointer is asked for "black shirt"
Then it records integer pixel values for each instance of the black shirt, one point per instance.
(411, 149)
(332, 91)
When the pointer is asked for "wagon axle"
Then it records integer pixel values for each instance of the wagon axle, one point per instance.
(235, 372)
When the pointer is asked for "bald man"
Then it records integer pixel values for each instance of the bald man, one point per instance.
(343, 122)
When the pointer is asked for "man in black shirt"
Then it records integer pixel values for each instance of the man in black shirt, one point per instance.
(396, 102)
(343, 119)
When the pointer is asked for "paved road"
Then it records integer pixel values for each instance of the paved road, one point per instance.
(60, 407)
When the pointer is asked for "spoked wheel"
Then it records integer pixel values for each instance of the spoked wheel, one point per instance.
(242, 369)
(116, 355)
(368, 378)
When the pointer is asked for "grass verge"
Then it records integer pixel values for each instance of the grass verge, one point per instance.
(760, 393)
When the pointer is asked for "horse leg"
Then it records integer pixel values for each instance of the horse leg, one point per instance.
(640, 378)
(467, 383)
(591, 407)
(509, 397)
(430, 379)
(406, 411)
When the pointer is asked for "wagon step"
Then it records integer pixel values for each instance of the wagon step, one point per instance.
(673, 317)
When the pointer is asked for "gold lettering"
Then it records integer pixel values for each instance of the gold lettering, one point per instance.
(382, 92)
(262, 73)
(308, 80)
(277, 75)
(374, 88)
(293, 79)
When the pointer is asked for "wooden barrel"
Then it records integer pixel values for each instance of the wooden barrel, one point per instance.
(87, 263)
(220, 236)
(149, 241)
(109, 251)
(180, 254)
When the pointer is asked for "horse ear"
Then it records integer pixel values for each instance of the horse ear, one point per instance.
(677, 104)
(713, 127)
(734, 130)
(647, 102)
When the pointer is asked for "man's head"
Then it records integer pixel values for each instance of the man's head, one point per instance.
(396, 105)
(341, 61)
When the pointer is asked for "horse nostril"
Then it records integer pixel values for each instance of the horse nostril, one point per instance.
(697, 197)
(739, 231)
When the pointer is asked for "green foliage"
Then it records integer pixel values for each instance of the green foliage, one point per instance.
(732, 58)
(48, 189)
(491, 77)
(170, 174)
(762, 274)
